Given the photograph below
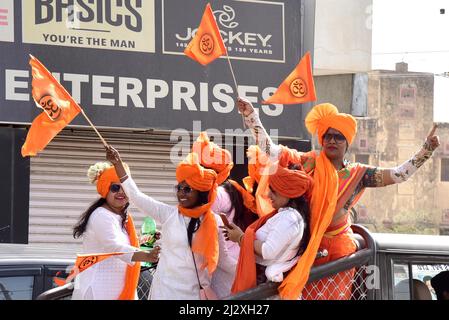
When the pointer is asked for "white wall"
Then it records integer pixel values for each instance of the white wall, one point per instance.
(342, 36)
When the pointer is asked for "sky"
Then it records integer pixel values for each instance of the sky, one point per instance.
(411, 31)
(415, 32)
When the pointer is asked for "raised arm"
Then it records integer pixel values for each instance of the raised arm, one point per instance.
(253, 122)
(387, 176)
(149, 206)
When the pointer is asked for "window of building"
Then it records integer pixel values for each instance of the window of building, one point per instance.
(407, 94)
(444, 169)
(362, 158)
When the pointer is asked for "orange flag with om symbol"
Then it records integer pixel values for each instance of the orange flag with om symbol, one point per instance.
(298, 87)
(58, 107)
(207, 44)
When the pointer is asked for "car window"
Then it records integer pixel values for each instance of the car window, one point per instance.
(425, 272)
(401, 287)
(16, 288)
(418, 280)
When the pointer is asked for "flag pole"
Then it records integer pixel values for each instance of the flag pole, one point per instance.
(235, 84)
(232, 73)
(92, 125)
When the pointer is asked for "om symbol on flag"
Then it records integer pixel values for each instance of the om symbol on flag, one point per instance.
(206, 44)
(298, 88)
(50, 106)
(87, 262)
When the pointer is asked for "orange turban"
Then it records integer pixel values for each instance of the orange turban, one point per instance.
(213, 157)
(290, 183)
(190, 171)
(324, 116)
(205, 242)
(107, 177)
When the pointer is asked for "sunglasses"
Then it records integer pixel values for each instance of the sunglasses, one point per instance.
(338, 138)
(184, 189)
(114, 188)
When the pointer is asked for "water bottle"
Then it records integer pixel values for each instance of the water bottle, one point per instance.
(148, 231)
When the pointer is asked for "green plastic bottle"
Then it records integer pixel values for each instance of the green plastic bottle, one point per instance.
(148, 229)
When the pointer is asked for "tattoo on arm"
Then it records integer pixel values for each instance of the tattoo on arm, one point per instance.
(407, 169)
(373, 178)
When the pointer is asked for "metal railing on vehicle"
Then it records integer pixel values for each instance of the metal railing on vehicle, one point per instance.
(365, 256)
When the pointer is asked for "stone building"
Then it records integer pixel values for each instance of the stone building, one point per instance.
(396, 119)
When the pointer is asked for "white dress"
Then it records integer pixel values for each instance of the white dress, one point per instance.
(106, 279)
(175, 277)
(281, 235)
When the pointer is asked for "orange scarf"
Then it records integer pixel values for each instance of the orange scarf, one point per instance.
(132, 272)
(322, 209)
(245, 276)
(205, 242)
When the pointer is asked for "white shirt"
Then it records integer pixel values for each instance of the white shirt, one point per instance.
(175, 277)
(281, 235)
(106, 279)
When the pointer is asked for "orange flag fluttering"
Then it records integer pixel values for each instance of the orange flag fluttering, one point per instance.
(207, 44)
(58, 106)
(298, 87)
(83, 262)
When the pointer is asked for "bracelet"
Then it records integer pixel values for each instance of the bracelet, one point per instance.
(240, 239)
(125, 176)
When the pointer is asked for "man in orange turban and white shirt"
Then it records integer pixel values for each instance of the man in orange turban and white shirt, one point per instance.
(338, 185)
(191, 241)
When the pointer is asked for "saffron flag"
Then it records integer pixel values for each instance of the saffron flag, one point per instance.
(83, 262)
(298, 87)
(58, 107)
(207, 44)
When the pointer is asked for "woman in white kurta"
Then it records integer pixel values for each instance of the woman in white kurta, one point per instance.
(272, 244)
(106, 227)
(176, 276)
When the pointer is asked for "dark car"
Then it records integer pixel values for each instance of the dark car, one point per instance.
(27, 272)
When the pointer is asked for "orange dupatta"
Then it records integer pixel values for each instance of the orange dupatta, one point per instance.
(206, 237)
(132, 272)
(322, 208)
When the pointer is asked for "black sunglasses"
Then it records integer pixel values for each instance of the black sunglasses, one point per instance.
(184, 189)
(114, 188)
(338, 138)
